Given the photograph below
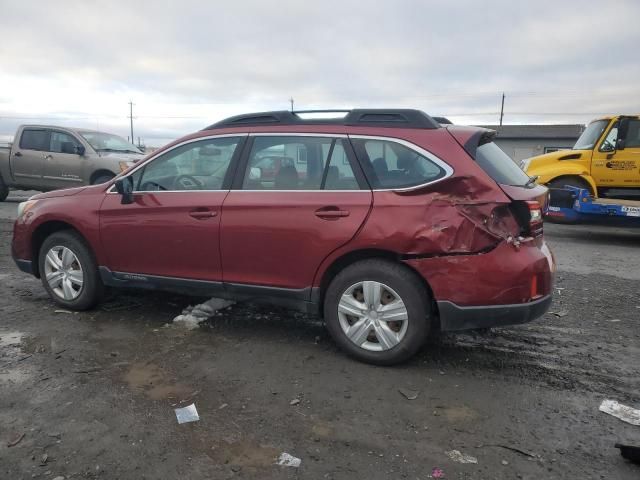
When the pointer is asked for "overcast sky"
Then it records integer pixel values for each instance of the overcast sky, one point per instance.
(186, 64)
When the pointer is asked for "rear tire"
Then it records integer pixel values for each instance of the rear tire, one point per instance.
(560, 199)
(389, 307)
(69, 272)
(4, 190)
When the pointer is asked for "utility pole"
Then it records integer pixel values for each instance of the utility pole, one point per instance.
(291, 100)
(502, 109)
(131, 118)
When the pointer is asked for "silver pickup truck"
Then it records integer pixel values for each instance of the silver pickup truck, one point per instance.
(44, 157)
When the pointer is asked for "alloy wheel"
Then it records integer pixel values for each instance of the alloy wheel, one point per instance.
(373, 316)
(63, 273)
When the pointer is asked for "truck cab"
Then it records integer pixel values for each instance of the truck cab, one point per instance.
(605, 160)
(47, 157)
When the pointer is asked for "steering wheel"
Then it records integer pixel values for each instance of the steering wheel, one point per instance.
(187, 182)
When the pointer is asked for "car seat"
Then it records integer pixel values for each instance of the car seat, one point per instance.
(286, 178)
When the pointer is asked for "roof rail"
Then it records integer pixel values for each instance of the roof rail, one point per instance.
(368, 117)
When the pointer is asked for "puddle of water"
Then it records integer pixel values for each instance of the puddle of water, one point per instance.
(13, 376)
(459, 414)
(322, 430)
(11, 339)
(10, 351)
(155, 383)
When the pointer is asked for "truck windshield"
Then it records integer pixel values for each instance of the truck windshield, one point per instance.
(591, 135)
(499, 166)
(107, 142)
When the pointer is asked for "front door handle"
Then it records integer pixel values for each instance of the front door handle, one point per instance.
(48, 157)
(17, 154)
(331, 212)
(202, 214)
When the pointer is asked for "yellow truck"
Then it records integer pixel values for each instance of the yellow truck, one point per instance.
(605, 160)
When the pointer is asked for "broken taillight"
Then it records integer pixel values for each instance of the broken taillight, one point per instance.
(535, 218)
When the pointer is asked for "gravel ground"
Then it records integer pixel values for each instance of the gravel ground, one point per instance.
(94, 392)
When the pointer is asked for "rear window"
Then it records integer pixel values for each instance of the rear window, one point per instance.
(499, 166)
(389, 164)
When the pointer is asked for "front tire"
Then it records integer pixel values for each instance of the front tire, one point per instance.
(69, 272)
(102, 179)
(378, 311)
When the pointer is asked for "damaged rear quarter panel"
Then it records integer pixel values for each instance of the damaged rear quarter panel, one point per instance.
(464, 214)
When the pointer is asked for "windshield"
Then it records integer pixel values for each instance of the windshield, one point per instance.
(591, 135)
(107, 142)
(499, 166)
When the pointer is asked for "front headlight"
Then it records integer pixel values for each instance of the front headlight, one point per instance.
(24, 207)
(524, 164)
(124, 165)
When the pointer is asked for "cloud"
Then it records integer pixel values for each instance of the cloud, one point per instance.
(186, 64)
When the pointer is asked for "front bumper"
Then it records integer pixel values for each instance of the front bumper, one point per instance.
(454, 317)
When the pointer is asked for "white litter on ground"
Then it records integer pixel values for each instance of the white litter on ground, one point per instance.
(624, 413)
(458, 456)
(187, 414)
(192, 316)
(287, 460)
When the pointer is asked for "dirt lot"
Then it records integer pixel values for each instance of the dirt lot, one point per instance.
(93, 393)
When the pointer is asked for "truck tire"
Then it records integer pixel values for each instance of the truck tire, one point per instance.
(69, 272)
(378, 311)
(4, 190)
(102, 178)
(558, 198)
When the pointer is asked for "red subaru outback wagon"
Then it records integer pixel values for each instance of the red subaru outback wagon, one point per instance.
(384, 222)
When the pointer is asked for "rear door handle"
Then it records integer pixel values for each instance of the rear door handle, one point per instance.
(202, 214)
(331, 212)
(17, 154)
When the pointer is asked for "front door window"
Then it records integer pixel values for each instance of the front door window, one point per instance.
(199, 165)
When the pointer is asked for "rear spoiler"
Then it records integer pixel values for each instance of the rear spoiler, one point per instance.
(470, 138)
(477, 140)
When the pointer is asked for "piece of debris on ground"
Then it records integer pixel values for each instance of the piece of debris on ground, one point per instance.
(15, 440)
(187, 414)
(191, 317)
(408, 393)
(623, 412)
(437, 473)
(458, 456)
(287, 460)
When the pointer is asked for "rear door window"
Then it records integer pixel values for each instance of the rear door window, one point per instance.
(390, 164)
(298, 163)
(35, 139)
(633, 134)
(499, 166)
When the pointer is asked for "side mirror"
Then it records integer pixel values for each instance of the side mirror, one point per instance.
(124, 186)
(623, 129)
(80, 150)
